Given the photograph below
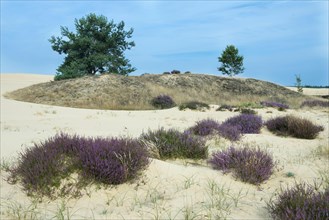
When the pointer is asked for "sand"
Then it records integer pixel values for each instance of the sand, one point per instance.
(167, 189)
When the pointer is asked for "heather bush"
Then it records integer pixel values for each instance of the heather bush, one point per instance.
(174, 144)
(175, 72)
(42, 168)
(315, 103)
(225, 107)
(250, 165)
(280, 106)
(194, 105)
(248, 111)
(229, 132)
(246, 123)
(163, 102)
(300, 202)
(205, 127)
(293, 126)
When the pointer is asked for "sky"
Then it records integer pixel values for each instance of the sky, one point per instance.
(278, 39)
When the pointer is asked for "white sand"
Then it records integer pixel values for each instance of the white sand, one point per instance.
(167, 189)
(312, 91)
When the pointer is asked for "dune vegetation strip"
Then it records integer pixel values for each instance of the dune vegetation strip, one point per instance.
(110, 91)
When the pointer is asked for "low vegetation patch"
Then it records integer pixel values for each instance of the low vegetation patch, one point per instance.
(212, 127)
(249, 165)
(315, 103)
(302, 201)
(194, 105)
(172, 144)
(225, 108)
(205, 127)
(229, 132)
(293, 126)
(279, 106)
(246, 123)
(42, 167)
(163, 102)
(247, 111)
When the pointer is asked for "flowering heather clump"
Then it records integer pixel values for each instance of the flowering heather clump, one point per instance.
(274, 105)
(250, 165)
(113, 161)
(293, 126)
(300, 202)
(163, 102)
(246, 123)
(174, 144)
(205, 127)
(315, 103)
(229, 132)
(41, 168)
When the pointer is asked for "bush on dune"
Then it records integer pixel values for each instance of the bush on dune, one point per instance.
(41, 168)
(205, 127)
(172, 144)
(163, 102)
(246, 123)
(194, 105)
(293, 126)
(302, 201)
(250, 165)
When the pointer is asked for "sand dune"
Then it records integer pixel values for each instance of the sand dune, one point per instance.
(167, 189)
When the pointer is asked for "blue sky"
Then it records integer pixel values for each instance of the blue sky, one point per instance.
(278, 39)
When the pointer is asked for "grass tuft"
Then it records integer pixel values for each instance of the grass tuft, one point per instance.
(174, 144)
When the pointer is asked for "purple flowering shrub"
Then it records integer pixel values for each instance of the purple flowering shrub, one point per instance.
(315, 103)
(229, 132)
(274, 105)
(250, 165)
(163, 102)
(300, 202)
(112, 160)
(174, 144)
(293, 126)
(205, 127)
(246, 123)
(41, 168)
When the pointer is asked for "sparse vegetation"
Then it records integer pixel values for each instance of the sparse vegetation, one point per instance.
(250, 165)
(315, 103)
(110, 91)
(174, 144)
(301, 201)
(277, 105)
(293, 126)
(163, 102)
(194, 105)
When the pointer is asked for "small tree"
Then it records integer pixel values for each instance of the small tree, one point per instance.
(299, 84)
(232, 62)
(97, 47)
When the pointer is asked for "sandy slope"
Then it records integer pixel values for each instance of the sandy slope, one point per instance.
(168, 189)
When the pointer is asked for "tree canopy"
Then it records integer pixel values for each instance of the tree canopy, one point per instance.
(232, 62)
(97, 47)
